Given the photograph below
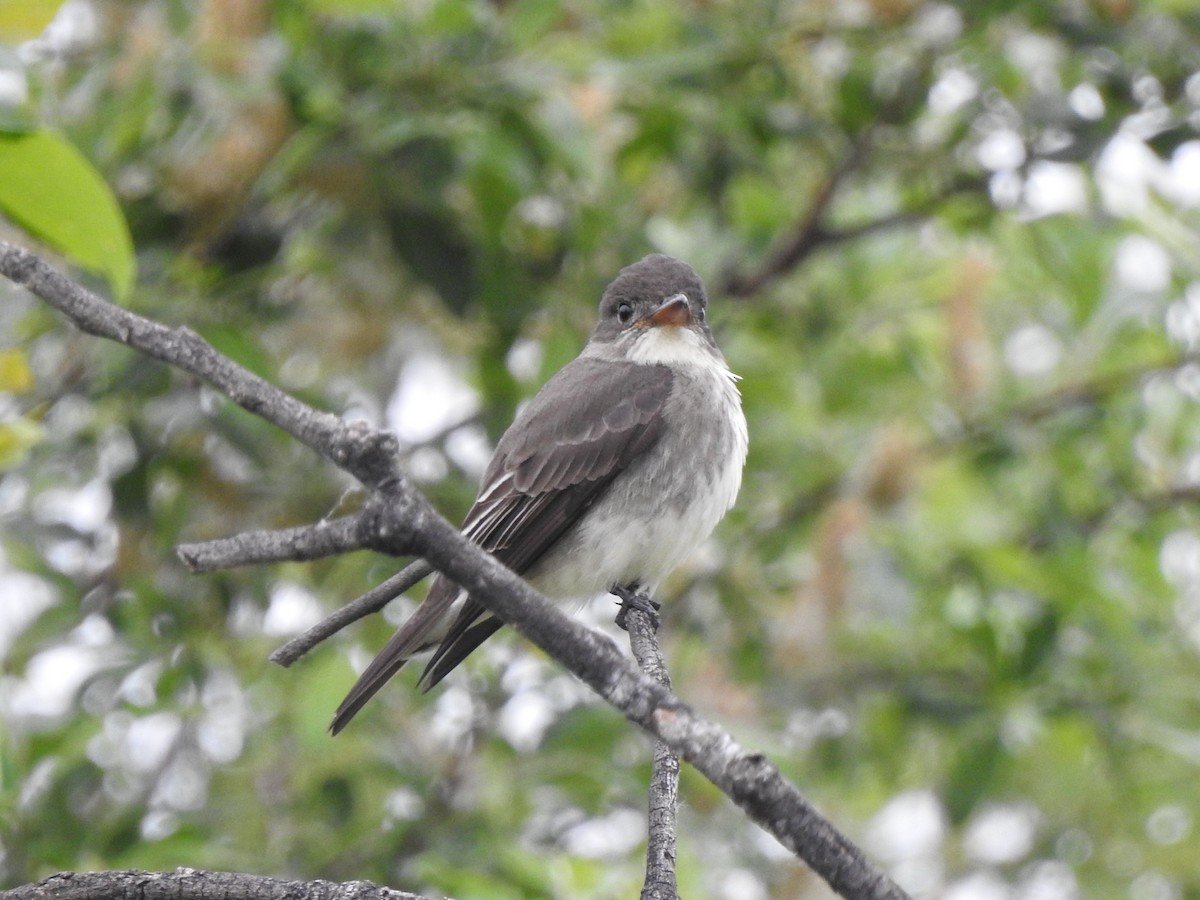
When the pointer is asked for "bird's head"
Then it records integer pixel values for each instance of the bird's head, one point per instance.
(654, 310)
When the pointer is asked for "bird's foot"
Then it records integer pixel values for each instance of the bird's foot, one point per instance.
(631, 597)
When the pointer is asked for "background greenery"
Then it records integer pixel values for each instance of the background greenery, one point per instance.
(953, 252)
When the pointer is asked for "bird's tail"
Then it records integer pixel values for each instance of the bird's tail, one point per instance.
(423, 629)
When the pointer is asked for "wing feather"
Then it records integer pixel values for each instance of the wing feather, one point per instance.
(602, 417)
(585, 427)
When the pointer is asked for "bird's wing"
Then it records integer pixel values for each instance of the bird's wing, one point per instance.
(582, 429)
(586, 426)
(599, 418)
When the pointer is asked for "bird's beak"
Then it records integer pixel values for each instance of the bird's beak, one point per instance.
(675, 310)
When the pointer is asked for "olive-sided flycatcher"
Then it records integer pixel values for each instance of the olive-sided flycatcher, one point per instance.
(620, 466)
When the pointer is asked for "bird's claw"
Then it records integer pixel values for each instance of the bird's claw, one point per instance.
(631, 597)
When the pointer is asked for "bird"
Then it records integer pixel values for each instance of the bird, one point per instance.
(616, 470)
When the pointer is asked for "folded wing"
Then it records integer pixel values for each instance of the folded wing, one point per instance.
(586, 426)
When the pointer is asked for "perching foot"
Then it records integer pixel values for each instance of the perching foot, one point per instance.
(631, 597)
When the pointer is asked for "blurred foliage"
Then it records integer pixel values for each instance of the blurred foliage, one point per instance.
(952, 251)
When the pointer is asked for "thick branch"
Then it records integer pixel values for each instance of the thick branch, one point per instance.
(194, 884)
(367, 454)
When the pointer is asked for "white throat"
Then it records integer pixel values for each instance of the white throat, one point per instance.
(668, 345)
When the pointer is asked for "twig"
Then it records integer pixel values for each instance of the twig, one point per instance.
(811, 233)
(372, 601)
(439, 437)
(805, 236)
(398, 520)
(862, 229)
(306, 542)
(660, 881)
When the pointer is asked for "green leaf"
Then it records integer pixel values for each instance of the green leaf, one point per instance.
(49, 189)
(21, 20)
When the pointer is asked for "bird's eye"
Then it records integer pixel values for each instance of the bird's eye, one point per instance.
(624, 312)
(700, 314)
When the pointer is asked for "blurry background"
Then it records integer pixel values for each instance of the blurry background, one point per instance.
(952, 249)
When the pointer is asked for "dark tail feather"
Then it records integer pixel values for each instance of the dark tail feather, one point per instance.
(455, 649)
(365, 688)
(412, 637)
(468, 614)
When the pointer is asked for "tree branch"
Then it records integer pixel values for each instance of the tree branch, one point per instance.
(305, 542)
(660, 883)
(399, 520)
(372, 601)
(811, 233)
(367, 454)
(195, 884)
(805, 236)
